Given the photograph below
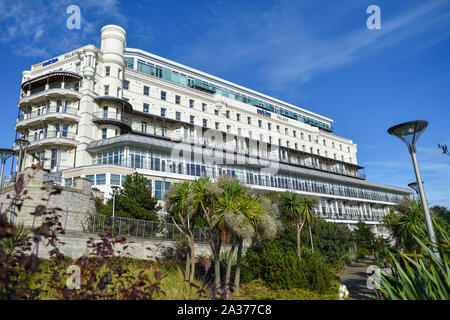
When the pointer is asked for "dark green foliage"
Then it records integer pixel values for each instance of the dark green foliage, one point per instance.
(364, 238)
(133, 200)
(278, 265)
(332, 240)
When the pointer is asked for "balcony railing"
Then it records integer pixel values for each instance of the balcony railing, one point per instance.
(113, 118)
(45, 112)
(350, 216)
(56, 89)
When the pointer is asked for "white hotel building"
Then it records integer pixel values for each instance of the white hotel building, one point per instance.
(105, 113)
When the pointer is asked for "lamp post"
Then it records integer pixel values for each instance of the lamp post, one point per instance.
(22, 144)
(413, 185)
(409, 133)
(114, 190)
(4, 155)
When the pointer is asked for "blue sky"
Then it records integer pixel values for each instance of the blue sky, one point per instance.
(317, 54)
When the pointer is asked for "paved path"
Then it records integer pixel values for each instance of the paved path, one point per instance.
(354, 277)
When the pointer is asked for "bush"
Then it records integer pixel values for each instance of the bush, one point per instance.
(332, 240)
(279, 267)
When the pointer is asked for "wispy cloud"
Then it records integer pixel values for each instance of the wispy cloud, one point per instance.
(38, 28)
(291, 50)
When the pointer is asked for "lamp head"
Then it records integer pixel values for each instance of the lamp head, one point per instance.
(409, 132)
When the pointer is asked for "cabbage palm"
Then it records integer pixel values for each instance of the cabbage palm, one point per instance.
(204, 195)
(307, 208)
(177, 206)
(290, 209)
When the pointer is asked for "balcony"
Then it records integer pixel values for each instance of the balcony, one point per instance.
(116, 119)
(52, 113)
(54, 84)
(51, 138)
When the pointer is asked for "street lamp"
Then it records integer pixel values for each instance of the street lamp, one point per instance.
(114, 190)
(22, 144)
(409, 133)
(4, 155)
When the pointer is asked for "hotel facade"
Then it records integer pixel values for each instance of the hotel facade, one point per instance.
(103, 113)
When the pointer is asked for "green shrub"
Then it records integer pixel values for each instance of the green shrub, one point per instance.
(280, 268)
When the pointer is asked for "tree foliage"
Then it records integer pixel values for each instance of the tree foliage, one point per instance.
(133, 200)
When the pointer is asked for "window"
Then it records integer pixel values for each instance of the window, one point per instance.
(204, 107)
(278, 128)
(163, 95)
(119, 73)
(324, 142)
(53, 158)
(286, 131)
(178, 115)
(216, 112)
(302, 135)
(163, 112)
(191, 119)
(240, 131)
(118, 92)
(205, 123)
(107, 71)
(143, 126)
(238, 117)
(228, 128)
(348, 148)
(296, 146)
(115, 179)
(106, 90)
(279, 142)
(92, 178)
(100, 178)
(269, 126)
(160, 189)
(164, 131)
(217, 125)
(294, 133)
(191, 103)
(340, 147)
(145, 108)
(65, 130)
(126, 84)
(249, 120)
(146, 90)
(227, 114)
(104, 131)
(177, 99)
(270, 139)
(288, 144)
(309, 137)
(77, 67)
(260, 123)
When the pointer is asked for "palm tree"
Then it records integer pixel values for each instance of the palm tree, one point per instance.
(203, 199)
(177, 206)
(307, 208)
(235, 212)
(290, 209)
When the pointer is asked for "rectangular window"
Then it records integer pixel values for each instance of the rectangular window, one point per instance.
(105, 112)
(100, 178)
(191, 103)
(228, 128)
(260, 123)
(191, 119)
(107, 71)
(294, 133)
(163, 95)
(249, 120)
(217, 125)
(227, 114)
(53, 159)
(160, 189)
(92, 178)
(205, 123)
(126, 84)
(269, 126)
(204, 107)
(216, 112)
(115, 179)
(106, 90)
(177, 99)
(65, 130)
(145, 108)
(238, 117)
(163, 112)
(104, 133)
(144, 127)
(146, 90)
(164, 131)
(178, 115)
